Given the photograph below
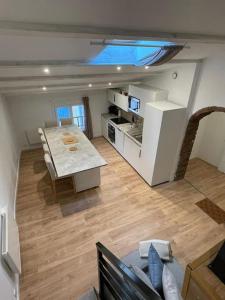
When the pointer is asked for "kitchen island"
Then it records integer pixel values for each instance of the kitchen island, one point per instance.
(74, 155)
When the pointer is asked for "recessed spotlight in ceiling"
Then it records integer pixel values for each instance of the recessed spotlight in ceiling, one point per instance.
(146, 67)
(174, 75)
(109, 83)
(46, 70)
(118, 68)
(44, 88)
(90, 85)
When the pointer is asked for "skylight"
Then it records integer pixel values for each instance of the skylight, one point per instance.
(136, 53)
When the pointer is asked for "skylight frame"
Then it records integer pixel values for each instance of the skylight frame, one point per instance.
(106, 56)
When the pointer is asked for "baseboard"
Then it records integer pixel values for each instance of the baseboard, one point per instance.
(17, 291)
(31, 147)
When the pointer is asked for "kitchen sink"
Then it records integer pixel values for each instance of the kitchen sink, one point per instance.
(136, 133)
(138, 138)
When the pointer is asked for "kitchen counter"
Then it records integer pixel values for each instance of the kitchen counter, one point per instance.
(123, 127)
(66, 163)
(108, 116)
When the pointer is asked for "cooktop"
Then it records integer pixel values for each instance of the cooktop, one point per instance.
(119, 120)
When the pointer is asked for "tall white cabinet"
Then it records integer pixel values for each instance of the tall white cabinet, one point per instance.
(163, 121)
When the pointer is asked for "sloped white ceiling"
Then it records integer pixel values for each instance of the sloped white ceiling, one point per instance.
(201, 16)
(25, 52)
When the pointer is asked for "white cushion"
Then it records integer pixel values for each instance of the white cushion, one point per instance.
(170, 288)
(40, 131)
(162, 247)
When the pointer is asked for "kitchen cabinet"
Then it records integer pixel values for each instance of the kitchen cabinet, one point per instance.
(119, 140)
(118, 99)
(121, 101)
(105, 127)
(132, 152)
(111, 96)
(146, 94)
(163, 123)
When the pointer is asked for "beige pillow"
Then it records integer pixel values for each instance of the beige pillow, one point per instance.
(170, 288)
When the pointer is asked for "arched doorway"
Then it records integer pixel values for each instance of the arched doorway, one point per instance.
(189, 138)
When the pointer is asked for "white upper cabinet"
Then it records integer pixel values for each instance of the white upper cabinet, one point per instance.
(122, 101)
(118, 99)
(146, 94)
(111, 96)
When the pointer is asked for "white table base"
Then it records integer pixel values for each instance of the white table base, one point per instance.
(87, 179)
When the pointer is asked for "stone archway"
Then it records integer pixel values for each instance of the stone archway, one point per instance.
(189, 138)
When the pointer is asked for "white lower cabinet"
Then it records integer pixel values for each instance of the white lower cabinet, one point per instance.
(132, 153)
(105, 128)
(119, 140)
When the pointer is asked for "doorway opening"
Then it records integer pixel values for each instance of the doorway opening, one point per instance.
(190, 136)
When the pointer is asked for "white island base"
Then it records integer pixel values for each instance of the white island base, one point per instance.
(87, 179)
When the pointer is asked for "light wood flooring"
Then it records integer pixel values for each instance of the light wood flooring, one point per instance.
(58, 236)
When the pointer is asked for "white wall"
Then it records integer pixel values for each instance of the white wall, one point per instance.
(207, 89)
(9, 158)
(31, 111)
(211, 87)
(180, 88)
(210, 140)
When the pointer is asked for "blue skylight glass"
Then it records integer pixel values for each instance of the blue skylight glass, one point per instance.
(126, 54)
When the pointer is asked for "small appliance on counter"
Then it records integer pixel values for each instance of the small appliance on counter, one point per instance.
(134, 104)
(113, 109)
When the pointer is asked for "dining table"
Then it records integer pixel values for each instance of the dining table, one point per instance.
(74, 155)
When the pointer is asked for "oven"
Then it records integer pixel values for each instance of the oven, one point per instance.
(111, 133)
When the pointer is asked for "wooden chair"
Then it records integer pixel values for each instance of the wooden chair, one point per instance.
(52, 173)
(65, 122)
(49, 124)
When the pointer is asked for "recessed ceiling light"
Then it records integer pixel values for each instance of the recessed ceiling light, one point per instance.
(90, 85)
(118, 68)
(146, 67)
(109, 83)
(44, 88)
(46, 70)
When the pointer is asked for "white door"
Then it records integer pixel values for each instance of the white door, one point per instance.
(119, 140)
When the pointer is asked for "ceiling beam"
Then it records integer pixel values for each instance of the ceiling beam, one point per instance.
(120, 82)
(69, 30)
(52, 89)
(69, 62)
(80, 76)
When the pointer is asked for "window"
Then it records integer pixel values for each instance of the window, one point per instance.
(78, 116)
(137, 53)
(76, 112)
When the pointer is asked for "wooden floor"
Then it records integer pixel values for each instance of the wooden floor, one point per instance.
(58, 237)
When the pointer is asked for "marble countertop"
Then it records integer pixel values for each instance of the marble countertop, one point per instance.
(108, 116)
(66, 163)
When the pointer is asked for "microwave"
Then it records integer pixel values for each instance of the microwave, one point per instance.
(134, 104)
